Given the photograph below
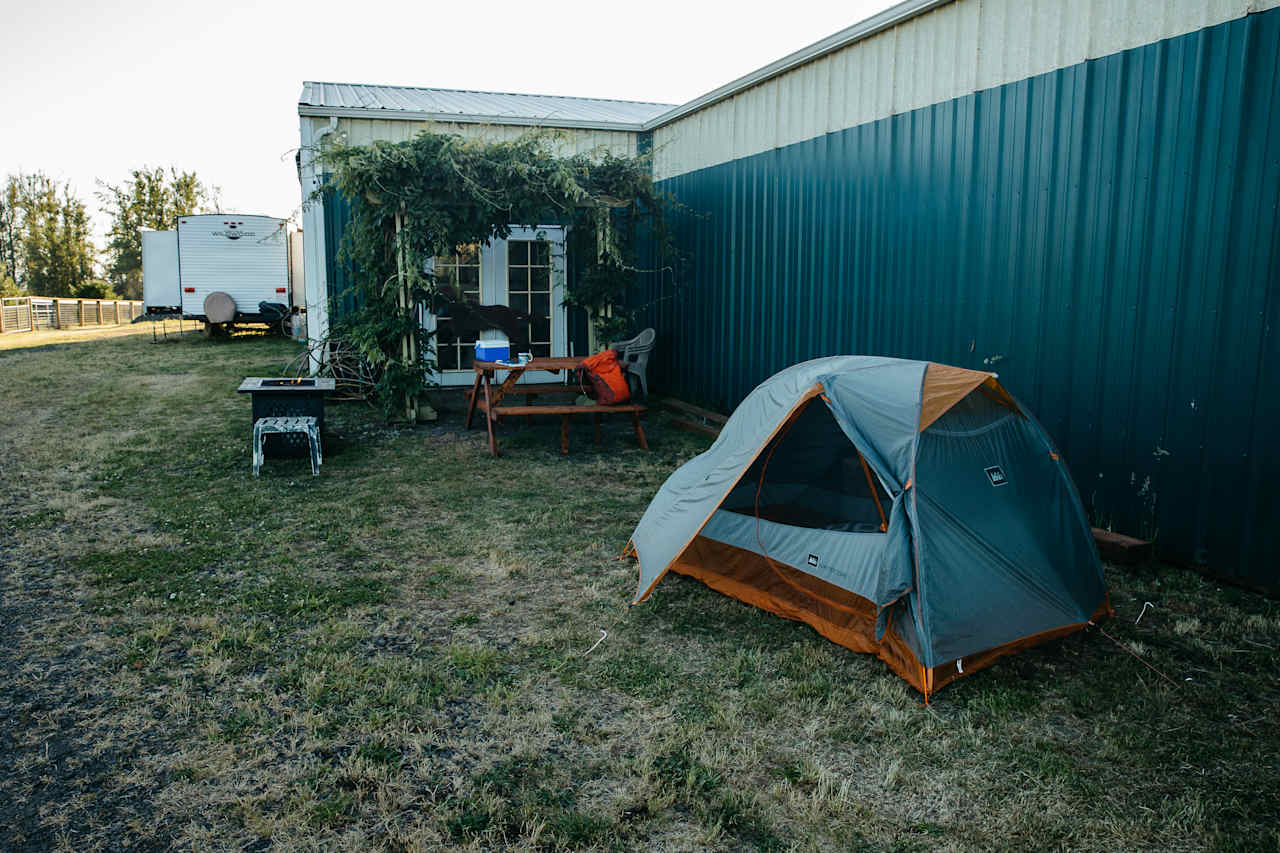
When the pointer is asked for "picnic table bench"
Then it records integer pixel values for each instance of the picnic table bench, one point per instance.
(535, 389)
(488, 398)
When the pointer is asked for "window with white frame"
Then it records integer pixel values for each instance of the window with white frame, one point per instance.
(460, 273)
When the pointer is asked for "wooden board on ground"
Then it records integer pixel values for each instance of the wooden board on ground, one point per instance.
(1118, 548)
(694, 426)
(714, 418)
(693, 418)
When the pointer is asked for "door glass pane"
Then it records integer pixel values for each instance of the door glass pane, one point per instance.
(540, 304)
(541, 330)
(529, 289)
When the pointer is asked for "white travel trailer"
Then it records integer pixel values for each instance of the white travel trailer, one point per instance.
(244, 257)
(160, 291)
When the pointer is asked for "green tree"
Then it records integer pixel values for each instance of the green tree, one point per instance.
(9, 224)
(149, 198)
(96, 289)
(47, 236)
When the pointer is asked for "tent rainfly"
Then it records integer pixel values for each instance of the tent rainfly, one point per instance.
(906, 509)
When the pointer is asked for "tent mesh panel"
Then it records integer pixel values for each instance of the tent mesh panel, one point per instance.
(815, 479)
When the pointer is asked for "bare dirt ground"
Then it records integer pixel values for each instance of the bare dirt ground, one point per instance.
(392, 656)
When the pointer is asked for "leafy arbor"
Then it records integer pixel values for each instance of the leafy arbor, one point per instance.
(412, 201)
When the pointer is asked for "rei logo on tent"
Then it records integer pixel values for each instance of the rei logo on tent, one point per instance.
(996, 476)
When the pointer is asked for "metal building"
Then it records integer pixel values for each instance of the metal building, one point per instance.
(1079, 194)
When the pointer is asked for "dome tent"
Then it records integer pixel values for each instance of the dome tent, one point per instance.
(906, 509)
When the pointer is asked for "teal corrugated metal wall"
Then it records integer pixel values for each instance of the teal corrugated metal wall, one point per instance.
(341, 292)
(1104, 236)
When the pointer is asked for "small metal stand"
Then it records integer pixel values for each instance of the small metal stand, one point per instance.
(283, 426)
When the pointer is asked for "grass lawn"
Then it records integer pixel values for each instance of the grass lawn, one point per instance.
(390, 656)
(83, 334)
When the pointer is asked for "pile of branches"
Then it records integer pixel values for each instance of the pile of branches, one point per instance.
(355, 378)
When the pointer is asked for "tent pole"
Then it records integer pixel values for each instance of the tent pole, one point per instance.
(875, 496)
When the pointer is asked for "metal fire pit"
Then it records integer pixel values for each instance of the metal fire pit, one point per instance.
(284, 397)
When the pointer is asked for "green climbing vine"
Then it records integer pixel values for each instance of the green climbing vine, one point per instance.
(412, 201)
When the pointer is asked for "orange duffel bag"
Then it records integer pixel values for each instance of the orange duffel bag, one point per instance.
(606, 377)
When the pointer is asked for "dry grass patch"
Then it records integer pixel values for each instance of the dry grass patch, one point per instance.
(394, 656)
(84, 335)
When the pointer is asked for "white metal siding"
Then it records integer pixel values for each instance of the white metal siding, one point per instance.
(313, 242)
(297, 289)
(945, 53)
(160, 269)
(249, 268)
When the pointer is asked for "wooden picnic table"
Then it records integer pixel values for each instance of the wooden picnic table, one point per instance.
(486, 396)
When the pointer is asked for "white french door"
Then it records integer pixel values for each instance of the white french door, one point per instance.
(526, 271)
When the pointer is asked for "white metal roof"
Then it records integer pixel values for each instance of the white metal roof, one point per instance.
(418, 104)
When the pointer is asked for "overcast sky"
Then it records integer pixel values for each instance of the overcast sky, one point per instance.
(94, 90)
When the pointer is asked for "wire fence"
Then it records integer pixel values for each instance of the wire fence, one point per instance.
(28, 313)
